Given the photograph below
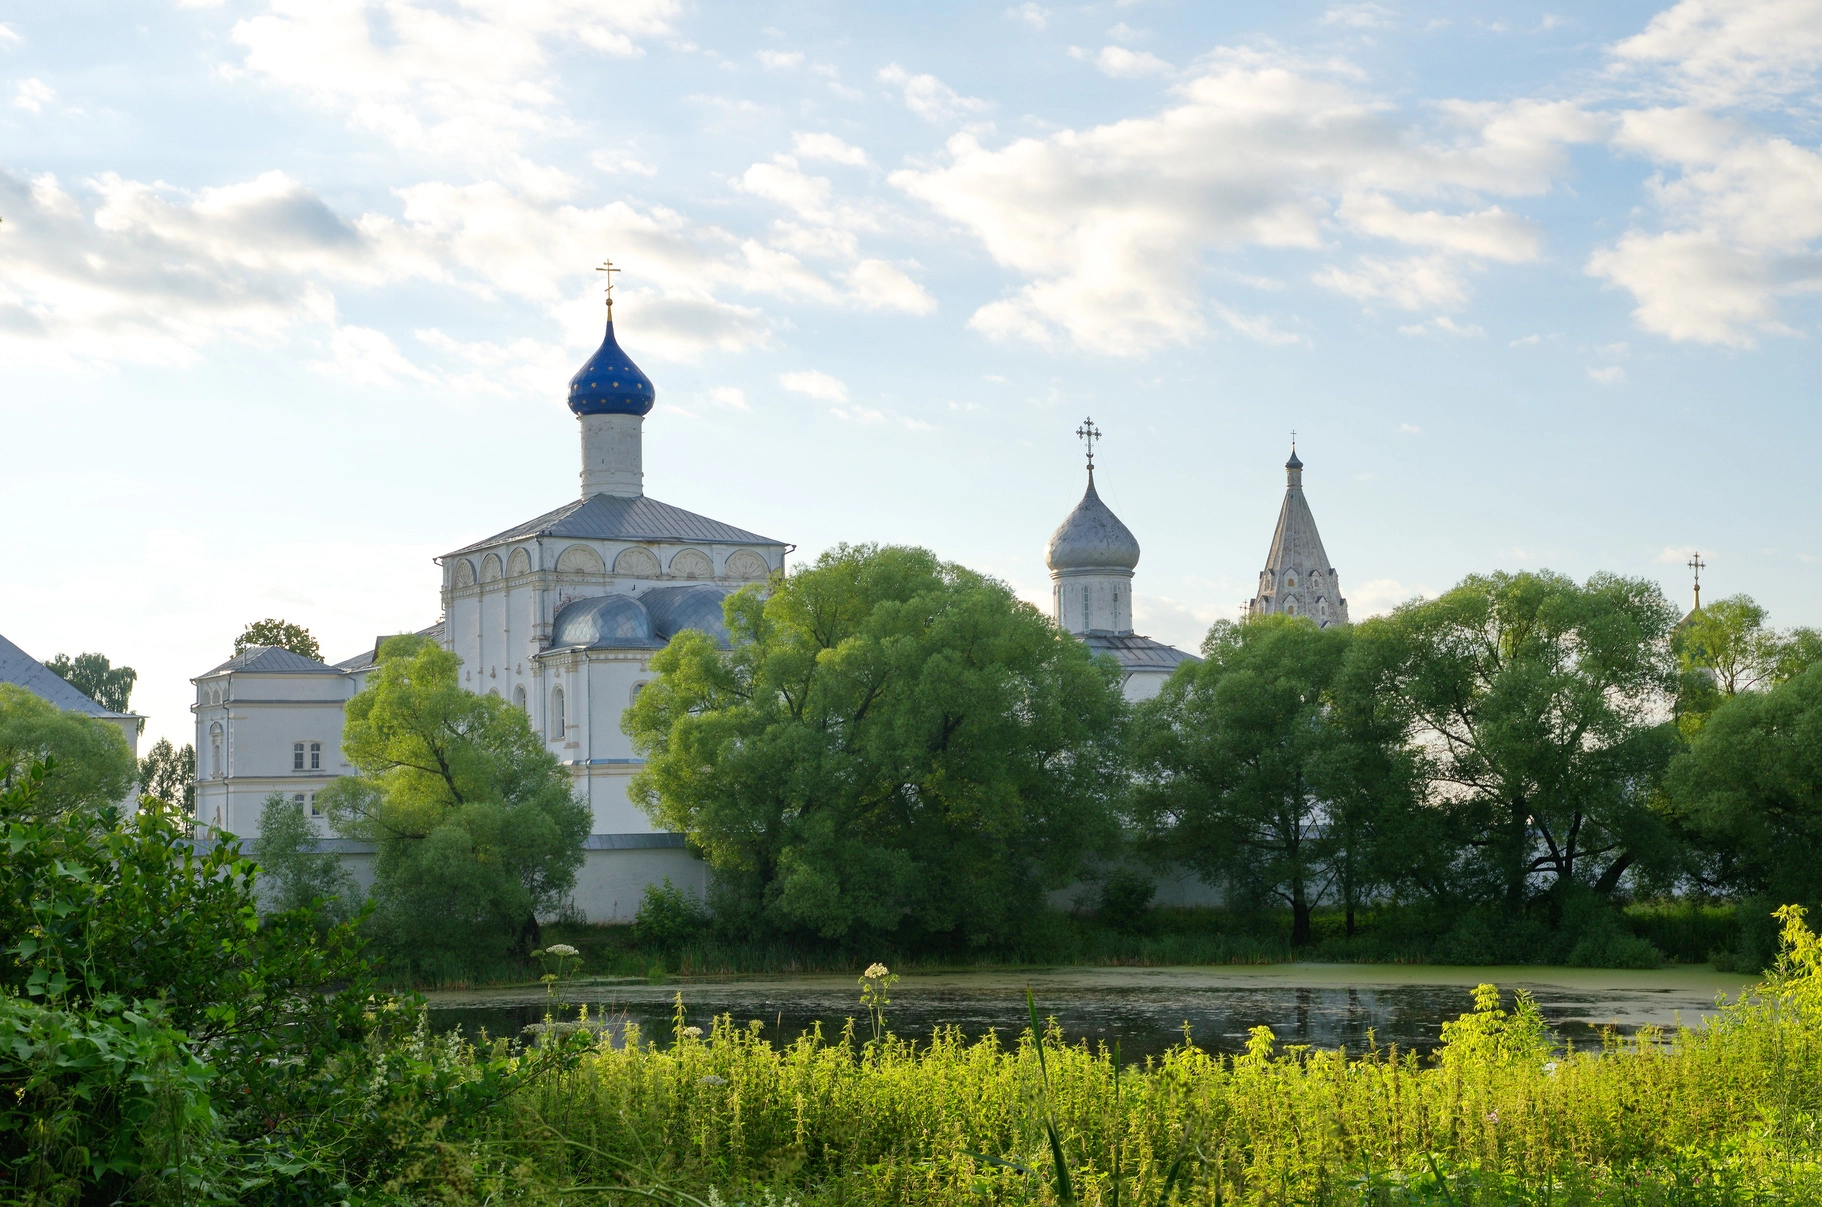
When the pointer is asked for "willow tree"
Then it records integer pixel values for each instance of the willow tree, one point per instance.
(892, 746)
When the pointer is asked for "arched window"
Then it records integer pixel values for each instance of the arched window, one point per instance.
(215, 751)
(316, 756)
(557, 726)
(518, 696)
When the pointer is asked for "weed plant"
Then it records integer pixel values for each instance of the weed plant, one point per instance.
(1724, 1113)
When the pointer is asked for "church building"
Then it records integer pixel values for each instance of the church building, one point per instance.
(1298, 579)
(1091, 557)
(562, 614)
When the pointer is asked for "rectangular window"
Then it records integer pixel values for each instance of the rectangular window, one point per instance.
(297, 756)
(298, 800)
(314, 811)
(316, 756)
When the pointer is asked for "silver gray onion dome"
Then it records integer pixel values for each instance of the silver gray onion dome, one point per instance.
(1092, 538)
(605, 621)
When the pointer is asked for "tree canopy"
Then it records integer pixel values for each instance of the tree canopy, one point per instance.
(1750, 787)
(1252, 772)
(893, 745)
(92, 764)
(281, 633)
(1540, 705)
(168, 773)
(477, 824)
(95, 677)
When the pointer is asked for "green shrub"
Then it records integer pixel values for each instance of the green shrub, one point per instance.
(1126, 901)
(668, 917)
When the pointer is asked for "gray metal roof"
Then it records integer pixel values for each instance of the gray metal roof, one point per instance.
(270, 660)
(1092, 538)
(370, 657)
(611, 518)
(19, 667)
(1136, 653)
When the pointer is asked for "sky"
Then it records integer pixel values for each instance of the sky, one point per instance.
(290, 292)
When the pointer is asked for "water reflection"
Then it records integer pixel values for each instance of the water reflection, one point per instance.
(1146, 1019)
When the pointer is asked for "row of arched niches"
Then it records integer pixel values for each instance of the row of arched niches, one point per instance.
(634, 562)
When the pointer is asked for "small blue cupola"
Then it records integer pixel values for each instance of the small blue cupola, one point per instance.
(609, 383)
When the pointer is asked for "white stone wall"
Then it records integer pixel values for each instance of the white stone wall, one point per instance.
(1098, 601)
(247, 728)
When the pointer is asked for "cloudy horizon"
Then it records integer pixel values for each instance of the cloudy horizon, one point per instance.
(290, 291)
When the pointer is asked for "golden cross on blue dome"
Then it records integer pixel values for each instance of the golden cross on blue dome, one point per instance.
(607, 266)
(1089, 434)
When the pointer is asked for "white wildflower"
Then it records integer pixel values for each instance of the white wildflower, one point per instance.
(692, 1033)
(874, 971)
(561, 949)
(711, 1079)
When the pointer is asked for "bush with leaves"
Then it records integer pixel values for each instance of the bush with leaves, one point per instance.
(298, 873)
(88, 761)
(168, 773)
(281, 633)
(668, 917)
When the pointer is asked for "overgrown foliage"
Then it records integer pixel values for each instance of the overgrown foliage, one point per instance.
(894, 746)
(477, 826)
(298, 874)
(90, 762)
(168, 773)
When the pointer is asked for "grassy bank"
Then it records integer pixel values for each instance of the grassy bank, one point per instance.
(1720, 1115)
(1677, 932)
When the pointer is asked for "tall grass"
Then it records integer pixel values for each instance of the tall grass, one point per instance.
(1725, 1113)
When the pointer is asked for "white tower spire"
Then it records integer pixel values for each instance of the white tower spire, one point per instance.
(1298, 579)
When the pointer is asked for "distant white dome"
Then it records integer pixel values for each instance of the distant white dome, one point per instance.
(1092, 538)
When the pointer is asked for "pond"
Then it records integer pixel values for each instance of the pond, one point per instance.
(1146, 1009)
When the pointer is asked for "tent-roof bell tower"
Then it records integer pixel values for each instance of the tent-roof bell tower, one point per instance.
(1298, 579)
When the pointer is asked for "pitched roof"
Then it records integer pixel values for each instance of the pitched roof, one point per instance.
(1136, 653)
(1295, 542)
(270, 660)
(609, 517)
(19, 667)
(370, 657)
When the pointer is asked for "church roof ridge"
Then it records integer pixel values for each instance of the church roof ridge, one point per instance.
(270, 660)
(613, 517)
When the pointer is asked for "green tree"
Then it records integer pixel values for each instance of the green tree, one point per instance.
(91, 762)
(1750, 786)
(298, 874)
(1538, 704)
(1725, 648)
(91, 674)
(168, 773)
(281, 633)
(1252, 772)
(893, 746)
(478, 827)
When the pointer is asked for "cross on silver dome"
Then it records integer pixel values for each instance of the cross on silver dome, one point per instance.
(1089, 433)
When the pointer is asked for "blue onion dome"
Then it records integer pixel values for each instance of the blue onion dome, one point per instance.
(674, 609)
(1092, 538)
(605, 621)
(609, 383)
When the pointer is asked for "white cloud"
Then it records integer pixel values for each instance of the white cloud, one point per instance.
(781, 60)
(1034, 15)
(1676, 554)
(9, 35)
(1442, 324)
(815, 384)
(878, 285)
(929, 97)
(732, 397)
(32, 95)
(1110, 224)
(1413, 283)
(1377, 596)
(1358, 16)
(1258, 327)
(466, 79)
(1607, 374)
(1722, 52)
(1121, 63)
(1410, 429)
(1743, 213)
(365, 357)
(829, 147)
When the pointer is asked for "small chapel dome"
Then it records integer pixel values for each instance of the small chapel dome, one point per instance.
(1293, 463)
(1092, 538)
(609, 383)
(674, 609)
(608, 621)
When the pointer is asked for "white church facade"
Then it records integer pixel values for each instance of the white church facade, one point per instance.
(562, 614)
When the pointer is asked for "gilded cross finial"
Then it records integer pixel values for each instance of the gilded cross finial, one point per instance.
(1089, 434)
(1696, 564)
(607, 266)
